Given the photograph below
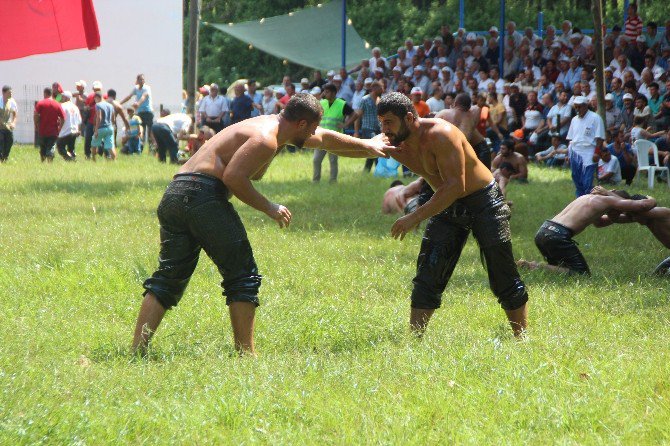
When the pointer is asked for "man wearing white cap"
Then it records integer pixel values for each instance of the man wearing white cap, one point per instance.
(70, 129)
(613, 119)
(586, 135)
(420, 106)
(89, 122)
(493, 32)
(359, 92)
(79, 99)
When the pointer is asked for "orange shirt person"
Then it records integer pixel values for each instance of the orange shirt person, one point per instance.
(422, 109)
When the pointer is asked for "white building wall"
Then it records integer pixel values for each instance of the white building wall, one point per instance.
(136, 36)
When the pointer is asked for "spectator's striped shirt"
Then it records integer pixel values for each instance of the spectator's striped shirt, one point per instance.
(369, 120)
(633, 27)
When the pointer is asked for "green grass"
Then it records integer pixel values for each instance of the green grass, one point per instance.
(337, 364)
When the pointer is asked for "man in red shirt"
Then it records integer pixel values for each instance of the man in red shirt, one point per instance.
(49, 118)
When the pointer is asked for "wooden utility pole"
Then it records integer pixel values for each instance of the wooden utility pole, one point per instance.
(192, 69)
(597, 9)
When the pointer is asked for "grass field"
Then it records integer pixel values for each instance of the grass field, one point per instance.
(337, 364)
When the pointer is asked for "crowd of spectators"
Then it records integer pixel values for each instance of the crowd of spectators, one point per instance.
(528, 101)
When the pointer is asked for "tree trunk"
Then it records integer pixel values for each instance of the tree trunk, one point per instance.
(597, 11)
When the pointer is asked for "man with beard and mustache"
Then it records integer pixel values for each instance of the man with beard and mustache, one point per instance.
(195, 213)
(466, 199)
(466, 119)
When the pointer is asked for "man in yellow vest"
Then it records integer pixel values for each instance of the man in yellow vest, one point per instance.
(334, 111)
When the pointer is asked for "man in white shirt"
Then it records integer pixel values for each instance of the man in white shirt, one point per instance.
(70, 129)
(435, 102)
(8, 115)
(168, 130)
(586, 134)
(213, 108)
(609, 169)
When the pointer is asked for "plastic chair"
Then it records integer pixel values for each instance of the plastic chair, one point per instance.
(642, 147)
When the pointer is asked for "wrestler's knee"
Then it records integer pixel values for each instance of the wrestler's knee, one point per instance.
(425, 297)
(168, 291)
(243, 288)
(512, 296)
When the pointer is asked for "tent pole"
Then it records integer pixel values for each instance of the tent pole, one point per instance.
(192, 68)
(626, 3)
(344, 33)
(461, 13)
(501, 38)
(540, 23)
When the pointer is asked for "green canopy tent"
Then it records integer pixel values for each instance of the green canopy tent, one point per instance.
(312, 37)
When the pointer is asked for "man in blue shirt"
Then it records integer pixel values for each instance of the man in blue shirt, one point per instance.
(256, 97)
(103, 136)
(621, 149)
(242, 105)
(142, 105)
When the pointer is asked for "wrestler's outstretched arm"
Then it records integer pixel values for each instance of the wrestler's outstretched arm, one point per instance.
(348, 146)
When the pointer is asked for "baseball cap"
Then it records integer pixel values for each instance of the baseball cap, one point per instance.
(304, 80)
(581, 100)
(640, 39)
(609, 97)
(97, 85)
(628, 96)
(471, 36)
(416, 90)
(442, 60)
(575, 36)
(493, 29)
(397, 68)
(367, 81)
(419, 68)
(337, 77)
(67, 94)
(379, 70)
(316, 90)
(435, 68)
(280, 90)
(80, 83)
(515, 85)
(330, 73)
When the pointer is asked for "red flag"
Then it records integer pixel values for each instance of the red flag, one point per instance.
(46, 26)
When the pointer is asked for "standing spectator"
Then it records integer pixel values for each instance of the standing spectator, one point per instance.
(48, 119)
(103, 133)
(257, 97)
(366, 125)
(8, 115)
(213, 108)
(586, 135)
(620, 149)
(518, 102)
(633, 24)
(143, 104)
(499, 119)
(119, 112)
(168, 130)
(79, 99)
(90, 120)
(420, 106)
(57, 92)
(269, 102)
(359, 92)
(334, 111)
(319, 81)
(242, 105)
(70, 129)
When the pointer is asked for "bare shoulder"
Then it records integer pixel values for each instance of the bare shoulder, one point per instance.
(446, 114)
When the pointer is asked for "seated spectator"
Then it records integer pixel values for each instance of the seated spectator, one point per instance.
(609, 170)
(627, 113)
(508, 165)
(620, 149)
(398, 196)
(195, 141)
(133, 137)
(436, 102)
(555, 155)
(420, 106)
(639, 132)
(613, 118)
(533, 121)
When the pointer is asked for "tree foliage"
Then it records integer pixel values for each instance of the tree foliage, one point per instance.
(383, 23)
